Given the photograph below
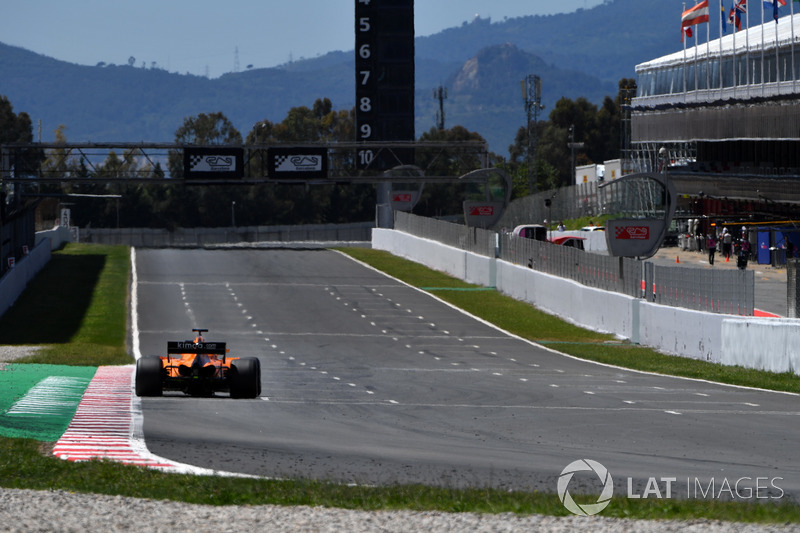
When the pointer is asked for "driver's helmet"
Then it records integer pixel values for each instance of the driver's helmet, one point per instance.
(197, 339)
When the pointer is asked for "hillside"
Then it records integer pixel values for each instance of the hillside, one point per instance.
(580, 54)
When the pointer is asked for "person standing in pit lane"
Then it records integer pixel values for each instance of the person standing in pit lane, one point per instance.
(727, 240)
(711, 246)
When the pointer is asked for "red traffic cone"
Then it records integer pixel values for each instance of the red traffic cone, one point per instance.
(677, 259)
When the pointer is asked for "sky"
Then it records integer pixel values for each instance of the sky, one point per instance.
(202, 37)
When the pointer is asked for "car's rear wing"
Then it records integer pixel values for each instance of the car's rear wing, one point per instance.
(216, 348)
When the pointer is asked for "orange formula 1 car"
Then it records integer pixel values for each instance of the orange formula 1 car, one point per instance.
(198, 368)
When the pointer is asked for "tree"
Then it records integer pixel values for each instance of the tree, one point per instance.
(214, 128)
(16, 128)
(293, 204)
(447, 198)
(598, 129)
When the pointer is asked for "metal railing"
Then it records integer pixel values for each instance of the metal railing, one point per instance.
(475, 240)
(192, 237)
(716, 291)
(593, 270)
(566, 203)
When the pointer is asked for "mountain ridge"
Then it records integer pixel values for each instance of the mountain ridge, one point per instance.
(481, 63)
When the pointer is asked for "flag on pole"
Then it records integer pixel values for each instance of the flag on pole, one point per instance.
(735, 19)
(774, 4)
(737, 8)
(724, 18)
(695, 15)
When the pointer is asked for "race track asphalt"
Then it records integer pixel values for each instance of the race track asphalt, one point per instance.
(366, 380)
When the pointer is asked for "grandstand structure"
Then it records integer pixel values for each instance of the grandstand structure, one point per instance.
(722, 118)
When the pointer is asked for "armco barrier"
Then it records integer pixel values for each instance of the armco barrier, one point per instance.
(766, 344)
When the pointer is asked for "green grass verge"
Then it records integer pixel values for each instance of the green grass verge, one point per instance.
(23, 465)
(76, 308)
(92, 281)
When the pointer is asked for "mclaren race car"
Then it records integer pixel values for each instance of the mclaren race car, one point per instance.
(198, 368)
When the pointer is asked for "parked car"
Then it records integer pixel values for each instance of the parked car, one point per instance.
(574, 242)
(531, 231)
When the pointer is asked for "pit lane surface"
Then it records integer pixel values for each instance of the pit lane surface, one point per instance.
(367, 380)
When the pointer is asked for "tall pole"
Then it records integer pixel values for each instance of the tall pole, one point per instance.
(440, 94)
(762, 46)
(722, 28)
(683, 41)
(794, 77)
(572, 150)
(532, 96)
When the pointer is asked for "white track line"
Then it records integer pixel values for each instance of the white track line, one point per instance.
(108, 422)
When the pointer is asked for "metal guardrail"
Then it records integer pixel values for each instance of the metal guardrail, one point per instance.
(716, 291)
(475, 240)
(604, 272)
(574, 201)
(191, 237)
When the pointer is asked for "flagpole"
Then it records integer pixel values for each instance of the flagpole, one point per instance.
(791, 13)
(734, 7)
(683, 38)
(696, 47)
(777, 51)
(708, 57)
(708, 47)
(762, 47)
(747, 78)
(733, 57)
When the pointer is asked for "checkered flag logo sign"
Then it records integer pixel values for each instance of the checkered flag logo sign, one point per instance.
(298, 163)
(212, 163)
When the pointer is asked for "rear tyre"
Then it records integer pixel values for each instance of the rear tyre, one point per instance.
(245, 378)
(148, 376)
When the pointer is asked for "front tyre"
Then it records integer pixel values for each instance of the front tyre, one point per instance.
(148, 376)
(245, 378)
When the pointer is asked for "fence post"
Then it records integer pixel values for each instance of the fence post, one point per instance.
(648, 282)
(792, 288)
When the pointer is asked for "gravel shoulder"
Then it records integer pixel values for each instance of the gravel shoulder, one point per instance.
(11, 353)
(45, 511)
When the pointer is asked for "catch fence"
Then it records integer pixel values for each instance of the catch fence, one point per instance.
(717, 291)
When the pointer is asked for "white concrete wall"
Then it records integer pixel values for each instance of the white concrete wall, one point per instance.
(15, 280)
(764, 343)
(768, 344)
(57, 237)
(679, 331)
(585, 306)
